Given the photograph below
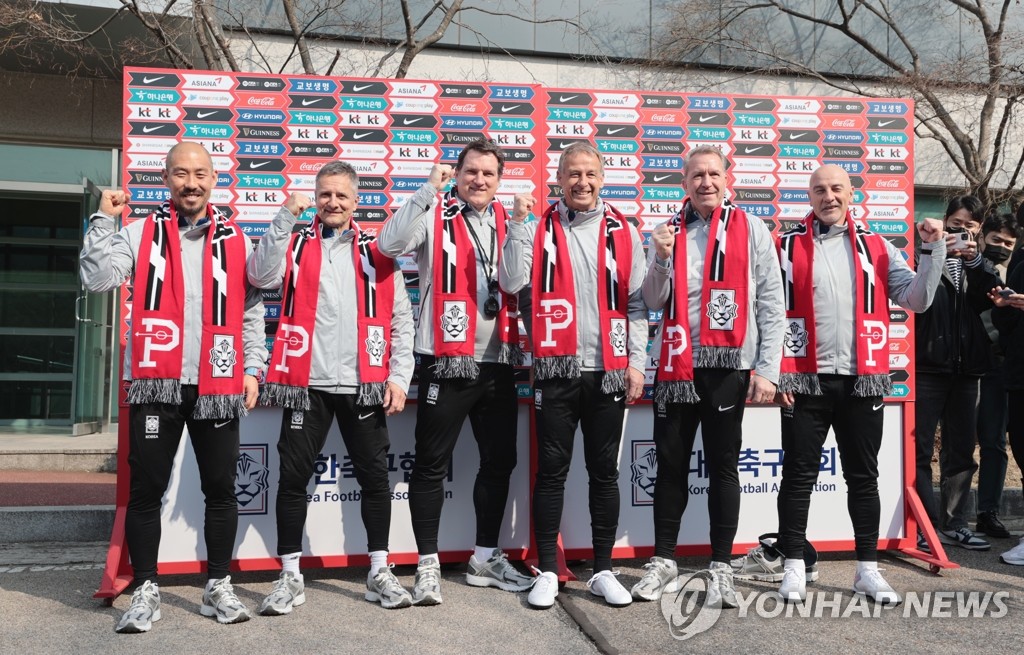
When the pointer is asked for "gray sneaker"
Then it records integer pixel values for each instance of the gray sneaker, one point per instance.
(220, 601)
(384, 588)
(289, 591)
(660, 576)
(496, 572)
(767, 564)
(721, 593)
(427, 589)
(142, 611)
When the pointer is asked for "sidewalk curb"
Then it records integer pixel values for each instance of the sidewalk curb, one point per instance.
(70, 524)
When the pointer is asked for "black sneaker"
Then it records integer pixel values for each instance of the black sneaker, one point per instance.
(922, 544)
(989, 524)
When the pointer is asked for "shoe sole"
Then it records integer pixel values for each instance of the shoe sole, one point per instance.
(534, 606)
(874, 600)
(270, 610)
(994, 535)
(670, 588)
(793, 597)
(947, 541)
(208, 610)
(1011, 562)
(427, 601)
(487, 581)
(374, 597)
(136, 628)
(811, 576)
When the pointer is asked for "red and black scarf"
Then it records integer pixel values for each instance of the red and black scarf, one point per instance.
(292, 357)
(158, 316)
(455, 294)
(555, 339)
(724, 302)
(871, 310)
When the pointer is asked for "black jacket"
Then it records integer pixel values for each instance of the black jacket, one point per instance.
(1010, 323)
(951, 337)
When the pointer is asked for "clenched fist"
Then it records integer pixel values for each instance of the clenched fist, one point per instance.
(440, 175)
(664, 239)
(522, 206)
(297, 203)
(930, 229)
(113, 202)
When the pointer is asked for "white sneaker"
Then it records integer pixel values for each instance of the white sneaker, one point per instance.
(871, 583)
(288, 592)
(794, 583)
(496, 572)
(606, 585)
(426, 589)
(660, 576)
(142, 611)
(545, 589)
(220, 600)
(1015, 555)
(721, 594)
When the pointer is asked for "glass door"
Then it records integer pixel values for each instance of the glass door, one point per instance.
(93, 361)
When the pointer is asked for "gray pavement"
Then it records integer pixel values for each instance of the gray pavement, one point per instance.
(47, 605)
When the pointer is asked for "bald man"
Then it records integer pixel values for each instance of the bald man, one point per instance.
(838, 278)
(193, 358)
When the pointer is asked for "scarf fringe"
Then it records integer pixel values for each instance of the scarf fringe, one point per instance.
(805, 383)
(614, 381)
(154, 390)
(511, 353)
(867, 386)
(560, 366)
(283, 395)
(718, 357)
(371, 394)
(676, 391)
(462, 366)
(220, 407)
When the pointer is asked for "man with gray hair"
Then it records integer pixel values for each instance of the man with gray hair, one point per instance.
(584, 263)
(343, 351)
(714, 273)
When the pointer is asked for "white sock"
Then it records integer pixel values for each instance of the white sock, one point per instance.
(290, 563)
(483, 553)
(866, 566)
(378, 560)
(797, 564)
(434, 555)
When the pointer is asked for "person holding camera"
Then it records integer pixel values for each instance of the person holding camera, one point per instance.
(584, 264)
(466, 345)
(953, 352)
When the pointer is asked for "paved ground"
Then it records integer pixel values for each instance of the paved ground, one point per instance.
(19, 488)
(46, 601)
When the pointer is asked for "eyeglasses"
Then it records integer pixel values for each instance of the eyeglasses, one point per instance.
(491, 305)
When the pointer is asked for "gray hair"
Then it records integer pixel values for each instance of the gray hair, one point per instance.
(580, 148)
(338, 168)
(705, 150)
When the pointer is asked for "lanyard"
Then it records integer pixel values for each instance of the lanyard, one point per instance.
(484, 257)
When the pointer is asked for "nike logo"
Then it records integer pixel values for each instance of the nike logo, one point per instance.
(259, 165)
(750, 151)
(205, 114)
(615, 131)
(363, 135)
(884, 123)
(567, 98)
(751, 105)
(562, 145)
(794, 137)
(704, 119)
(411, 121)
(618, 398)
(357, 87)
(151, 128)
(150, 80)
(507, 108)
(877, 407)
(363, 417)
(726, 409)
(310, 101)
(221, 424)
(659, 178)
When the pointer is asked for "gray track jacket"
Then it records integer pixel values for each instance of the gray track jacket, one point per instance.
(335, 362)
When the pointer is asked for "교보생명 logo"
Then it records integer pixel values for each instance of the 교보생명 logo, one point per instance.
(687, 611)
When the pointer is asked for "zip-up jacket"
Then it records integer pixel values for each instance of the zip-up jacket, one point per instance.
(335, 358)
(582, 234)
(951, 337)
(762, 344)
(108, 259)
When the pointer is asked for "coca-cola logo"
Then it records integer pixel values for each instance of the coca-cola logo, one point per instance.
(515, 172)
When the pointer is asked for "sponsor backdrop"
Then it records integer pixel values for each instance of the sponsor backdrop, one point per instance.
(269, 135)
